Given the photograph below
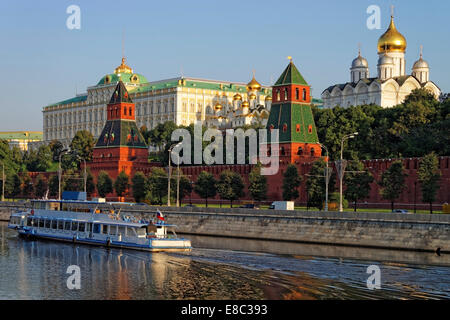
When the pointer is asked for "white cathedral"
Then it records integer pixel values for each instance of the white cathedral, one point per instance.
(391, 86)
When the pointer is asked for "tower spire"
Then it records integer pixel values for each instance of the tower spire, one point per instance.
(421, 51)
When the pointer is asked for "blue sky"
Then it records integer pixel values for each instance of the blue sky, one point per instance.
(43, 62)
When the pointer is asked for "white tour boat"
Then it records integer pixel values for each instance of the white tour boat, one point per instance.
(66, 220)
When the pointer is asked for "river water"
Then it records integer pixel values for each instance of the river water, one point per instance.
(217, 268)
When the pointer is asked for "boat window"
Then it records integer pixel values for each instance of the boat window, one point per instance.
(121, 230)
(61, 225)
(67, 225)
(141, 231)
(74, 225)
(96, 228)
(29, 221)
(105, 229)
(54, 224)
(81, 226)
(41, 223)
(131, 232)
(112, 230)
(47, 223)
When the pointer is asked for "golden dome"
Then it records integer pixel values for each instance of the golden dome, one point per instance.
(253, 85)
(391, 40)
(123, 68)
(245, 104)
(268, 98)
(237, 96)
(218, 106)
(252, 96)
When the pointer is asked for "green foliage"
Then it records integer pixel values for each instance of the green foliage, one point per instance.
(230, 186)
(257, 184)
(56, 147)
(157, 185)
(185, 185)
(122, 184)
(357, 181)
(53, 185)
(393, 182)
(12, 186)
(72, 181)
(315, 184)
(291, 182)
(139, 186)
(27, 186)
(205, 186)
(90, 185)
(104, 184)
(414, 128)
(83, 144)
(429, 176)
(41, 186)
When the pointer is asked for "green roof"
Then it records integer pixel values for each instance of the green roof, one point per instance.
(291, 75)
(21, 135)
(125, 77)
(71, 100)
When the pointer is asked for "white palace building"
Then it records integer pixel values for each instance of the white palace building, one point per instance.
(391, 85)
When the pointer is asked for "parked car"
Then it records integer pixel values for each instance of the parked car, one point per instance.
(400, 211)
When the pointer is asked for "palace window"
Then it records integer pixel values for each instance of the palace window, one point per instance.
(297, 94)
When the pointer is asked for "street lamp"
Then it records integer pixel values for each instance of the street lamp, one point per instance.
(341, 169)
(327, 178)
(169, 175)
(60, 173)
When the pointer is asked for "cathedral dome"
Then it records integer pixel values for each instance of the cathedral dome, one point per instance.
(252, 96)
(253, 85)
(360, 62)
(420, 64)
(245, 104)
(237, 97)
(385, 60)
(392, 40)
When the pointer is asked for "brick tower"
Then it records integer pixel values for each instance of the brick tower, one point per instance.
(120, 146)
(291, 114)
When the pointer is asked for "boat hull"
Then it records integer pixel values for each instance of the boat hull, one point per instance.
(157, 245)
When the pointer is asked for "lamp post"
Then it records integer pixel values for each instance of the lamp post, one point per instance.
(60, 173)
(84, 173)
(169, 175)
(327, 178)
(342, 167)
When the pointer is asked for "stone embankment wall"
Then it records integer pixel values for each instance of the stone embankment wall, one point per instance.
(378, 230)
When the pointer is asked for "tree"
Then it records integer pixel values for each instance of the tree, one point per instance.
(139, 186)
(90, 185)
(357, 181)
(429, 176)
(205, 186)
(56, 147)
(315, 184)
(157, 184)
(122, 184)
(257, 184)
(393, 182)
(27, 186)
(291, 182)
(104, 184)
(72, 181)
(53, 185)
(83, 144)
(230, 186)
(185, 185)
(41, 187)
(12, 186)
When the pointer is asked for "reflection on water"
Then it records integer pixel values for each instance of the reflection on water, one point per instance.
(216, 269)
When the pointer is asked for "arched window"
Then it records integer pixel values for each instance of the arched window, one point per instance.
(284, 127)
(282, 152)
(124, 111)
(285, 93)
(297, 127)
(297, 94)
(312, 152)
(299, 151)
(130, 112)
(304, 94)
(278, 95)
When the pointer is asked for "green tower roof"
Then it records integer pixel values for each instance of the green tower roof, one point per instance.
(291, 75)
(120, 94)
